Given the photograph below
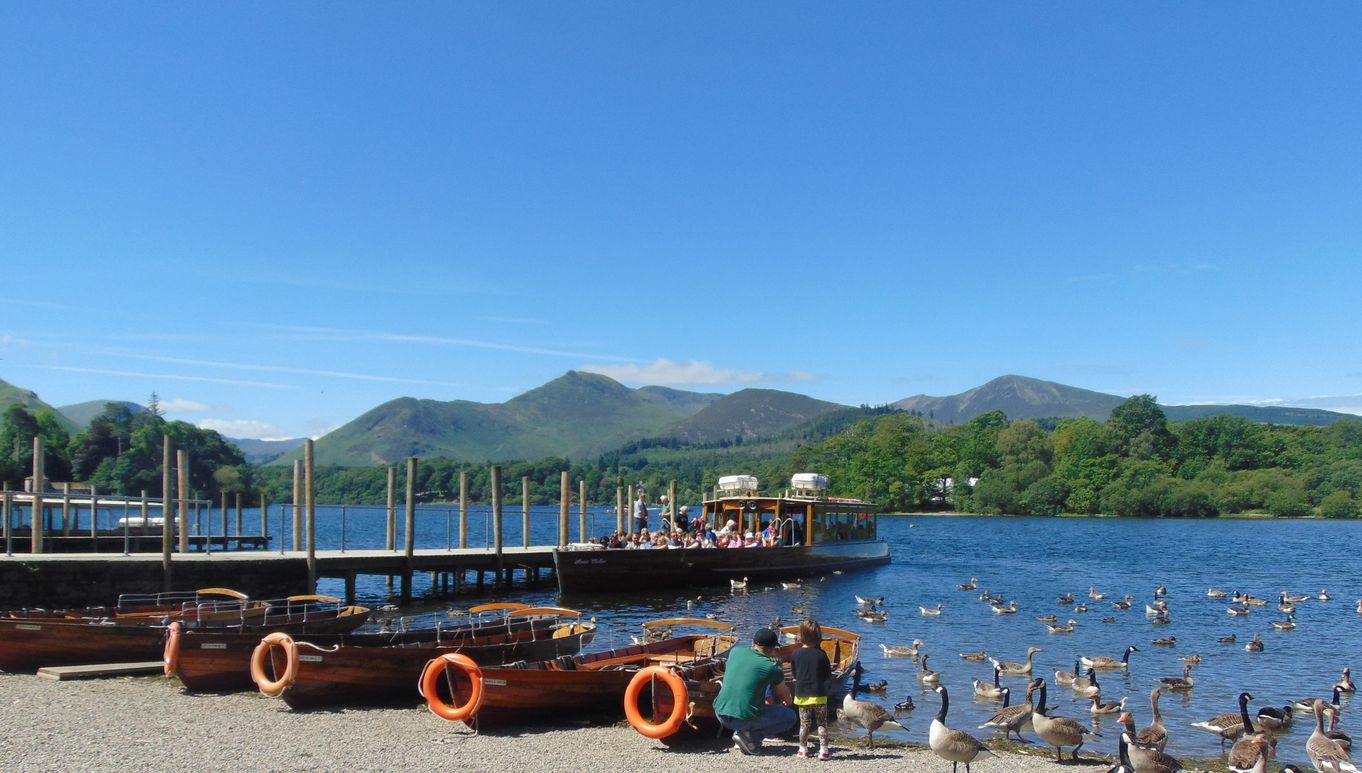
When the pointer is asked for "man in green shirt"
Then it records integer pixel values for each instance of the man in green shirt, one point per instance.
(741, 704)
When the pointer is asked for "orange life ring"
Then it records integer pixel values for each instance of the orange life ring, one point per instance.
(274, 687)
(680, 702)
(170, 655)
(430, 677)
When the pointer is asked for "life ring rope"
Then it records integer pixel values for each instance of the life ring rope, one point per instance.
(274, 687)
(680, 702)
(441, 667)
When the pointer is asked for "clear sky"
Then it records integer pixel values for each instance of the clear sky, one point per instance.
(280, 215)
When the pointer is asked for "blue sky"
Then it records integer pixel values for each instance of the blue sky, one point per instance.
(280, 215)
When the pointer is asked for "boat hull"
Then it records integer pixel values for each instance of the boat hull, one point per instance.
(589, 571)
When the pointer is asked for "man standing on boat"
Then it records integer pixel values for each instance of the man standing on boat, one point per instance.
(641, 512)
(741, 703)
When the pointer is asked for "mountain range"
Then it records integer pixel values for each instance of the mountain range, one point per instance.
(582, 415)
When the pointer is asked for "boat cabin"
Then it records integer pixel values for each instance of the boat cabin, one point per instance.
(803, 513)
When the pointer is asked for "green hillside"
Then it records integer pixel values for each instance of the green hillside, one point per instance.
(1274, 414)
(81, 414)
(751, 413)
(13, 395)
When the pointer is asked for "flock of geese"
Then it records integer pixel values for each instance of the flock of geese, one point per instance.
(1251, 738)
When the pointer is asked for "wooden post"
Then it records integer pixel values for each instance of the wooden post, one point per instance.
(671, 505)
(36, 543)
(146, 513)
(264, 520)
(496, 517)
(409, 539)
(463, 509)
(525, 511)
(182, 497)
(564, 507)
(808, 524)
(392, 508)
(310, 495)
(581, 514)
(9, 536)
(94, 517)
(238, 515)
(224, 522)
(619, 505)
(629, 509)
(167, 517)
(66, 508)
(297, 504)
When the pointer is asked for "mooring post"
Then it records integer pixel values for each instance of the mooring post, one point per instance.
(224, 521)
(392, 508)
(66, 508)
(94, 518)
(496, 518)
(297, 504)
(410, 536)
(264, 521)
(350, 587)
(37, 508)
(146, 512)
(310, 494)
(671, 504)
(564, 507)
(629, 505)
(238, 516)
(525, 511)
(619, 505)
(182, 497)
(463, 509)
(581, 515)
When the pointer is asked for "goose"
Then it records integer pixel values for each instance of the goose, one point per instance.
(1161, 619)
(1345, 682)
(1211, 592)
(905, 706)
(1326, 753)
(870, 716)
(1250, 754)
(992, 691)
(1066, 599)
(1271, 718)
(926, 675)
(1157, 608)
(1257, 644)
(1123, 603)
(1254, 601)
(976, 655)
(1016, 669)
(1179, 683)
(873, 615)
(1104, 663)
(1047, 618)
(1081, 608)
(1058, 731)
(1094, 594)
(1169, 642)
(1066, 678)
(1289, 624)
(1295, 598)
(869, 602)
(1333, 732)
(1155, 734)
(1108, 707)
(738, 584)
(791, 585)
(1148, 759)
(1005, 609)
(1108, 619)
(1012, 719)
(1123, 763)
(971, 585)
(986, 595)
(930, 612)
(1229, 725)
(1195, 657)
(1285, 606)
(1081, 682)
(900, 651)
(1323, 595)
(1089, 689)
(1307, 705)
(1057, 628)
(1226, 639)
(954, 746)
(1237, 611)
(1160, 591)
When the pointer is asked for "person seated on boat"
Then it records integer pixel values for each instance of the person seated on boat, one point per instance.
(749, 540)
(729, 528)
(741, 703)
(769, 534)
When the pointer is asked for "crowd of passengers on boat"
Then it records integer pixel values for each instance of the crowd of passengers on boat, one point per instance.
(702, 535)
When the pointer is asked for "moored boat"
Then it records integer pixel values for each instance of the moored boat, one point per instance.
(812, 533)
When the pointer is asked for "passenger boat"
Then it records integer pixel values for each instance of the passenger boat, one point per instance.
(817, 533)
(31, 640)
(459, 688)
(307, 675)
(217, 661)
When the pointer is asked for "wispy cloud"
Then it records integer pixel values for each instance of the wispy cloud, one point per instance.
(287, 369)
(181, 405)
(244, 428)
(378, 336)
(663, 372)
(168, 376)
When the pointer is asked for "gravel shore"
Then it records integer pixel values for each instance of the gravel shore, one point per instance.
(148, 723)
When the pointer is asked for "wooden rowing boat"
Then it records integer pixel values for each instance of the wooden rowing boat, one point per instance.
(218, 661)
(307, 674)
(203, 606)
(29, 642)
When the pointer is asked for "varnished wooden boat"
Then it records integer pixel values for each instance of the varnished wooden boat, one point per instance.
(593, 683)
(29, 642)
(308, 675)
(218, 661)
(203, 606)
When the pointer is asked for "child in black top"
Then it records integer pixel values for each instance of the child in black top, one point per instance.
(812, 672)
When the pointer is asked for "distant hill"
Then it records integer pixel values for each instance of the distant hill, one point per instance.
(751, 413)
(265, 451)
(576, 415)
(81, 414)
(1020, 397)
(11, 395)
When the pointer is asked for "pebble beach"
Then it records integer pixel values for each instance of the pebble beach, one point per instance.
(147, 723)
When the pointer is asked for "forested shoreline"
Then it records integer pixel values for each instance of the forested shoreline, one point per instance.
(1136, 463)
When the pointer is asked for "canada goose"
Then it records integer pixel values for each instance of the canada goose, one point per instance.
(900, 651)
(873, 615)
(1058, 731)
(1123, 603)
(1195, 657)
(926, 675)
(1275, 719)
(1323, 595)
(1067, 598)
(1081, 608)
(1094, 595)
(1289, 624)
(1307, 705)
(1016, 669)
(955, 746)
(1179, 683)
(986, 595)
(1148, 759)
(971, 585)
(1237, 611)
(1227, 639)
(1107, 707)
(992, 691)
(869, 602)
(1345, 682)
(1081, 681)
(1047, 618)
(976, 655)
(1169, 642)
(1104, 663)
(931, 612)
(879, 688)
(1295, 598)
(1211, 592)
(1012, 719)
(1160, 591)
(1108, 619)
(738, 584)
(1005, 609)
(1257, 644)
(1229, 725)
(1090, 688)
(1285, 606)
(1123, 763)
(870, 716)
(1253, 601)
(1326, 753)
(905, 706)
(1066, 678)
(1155, 734)
(1250, 754)
(1057, 628)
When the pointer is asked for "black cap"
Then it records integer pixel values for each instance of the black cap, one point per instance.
(765, 637)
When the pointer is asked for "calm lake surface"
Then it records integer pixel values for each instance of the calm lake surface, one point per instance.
(1032, 560)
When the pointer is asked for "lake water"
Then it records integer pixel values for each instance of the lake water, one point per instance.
(1032, 560)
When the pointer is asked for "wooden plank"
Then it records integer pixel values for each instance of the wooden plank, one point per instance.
(101, 670)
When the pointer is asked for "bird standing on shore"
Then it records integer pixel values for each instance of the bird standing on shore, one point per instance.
(955, 746)
(870, 716)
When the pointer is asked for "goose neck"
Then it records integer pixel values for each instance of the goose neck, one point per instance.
(945, 705)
